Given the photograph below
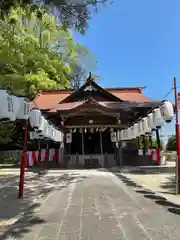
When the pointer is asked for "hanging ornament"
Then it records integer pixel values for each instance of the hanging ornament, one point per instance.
(68, 137)
(74, 130)
(85, 130)
(113, 137)
(158, 120)
(167, 111)
(92, 130)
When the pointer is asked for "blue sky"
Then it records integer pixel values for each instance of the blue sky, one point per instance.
(137, 43)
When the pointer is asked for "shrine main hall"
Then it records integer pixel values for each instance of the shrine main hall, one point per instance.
(91, 118)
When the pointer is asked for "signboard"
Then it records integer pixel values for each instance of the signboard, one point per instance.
(68, 137)
(113, 137)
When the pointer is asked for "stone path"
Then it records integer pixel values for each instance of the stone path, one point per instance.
(95, 205)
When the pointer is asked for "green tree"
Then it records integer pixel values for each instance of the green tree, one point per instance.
(35, 53)
(72, 14)
(171, 144)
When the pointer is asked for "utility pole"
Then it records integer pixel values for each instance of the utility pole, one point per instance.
(177, 132)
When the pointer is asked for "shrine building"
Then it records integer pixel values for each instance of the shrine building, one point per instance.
(91, 118)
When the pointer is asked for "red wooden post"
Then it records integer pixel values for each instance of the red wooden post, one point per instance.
(177, 131)
(158, 149)
(23, 161)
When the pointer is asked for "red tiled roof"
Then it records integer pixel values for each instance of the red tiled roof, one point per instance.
(48, 100)
(66, 106)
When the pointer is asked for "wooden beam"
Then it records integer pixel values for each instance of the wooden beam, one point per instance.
(96, 126)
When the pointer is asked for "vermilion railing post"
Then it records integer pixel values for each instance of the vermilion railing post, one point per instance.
(23, 161)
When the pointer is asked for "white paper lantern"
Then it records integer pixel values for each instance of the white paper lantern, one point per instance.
(132, 132)
(24, 109)
(53, 133)
(140, 128)
(135, 130)
(34, 135)
(151, 122)
(58, 136)
(35, 118)
(50, 129)
(145, 125)
(158, 120)
(122, 135)
(9, 106)
(167, 111)
(129, 133)
(46, 132)
(16, 106)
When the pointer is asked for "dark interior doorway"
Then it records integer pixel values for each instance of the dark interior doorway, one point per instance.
(92, 143)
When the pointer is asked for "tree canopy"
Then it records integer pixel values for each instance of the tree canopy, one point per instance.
(71, 13)
(171, 144)
(36, 53)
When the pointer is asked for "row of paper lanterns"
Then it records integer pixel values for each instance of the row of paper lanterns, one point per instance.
(156, 119)
(13, 108)
(42, 128)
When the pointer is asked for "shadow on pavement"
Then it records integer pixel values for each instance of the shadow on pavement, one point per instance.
(155, 197)
(126, 180)
(17, 216)
(145, 192)
(170, 185)
(172, 207)
(174, 210)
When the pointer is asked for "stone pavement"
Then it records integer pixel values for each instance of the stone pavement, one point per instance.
(96, 205)
(161, 183)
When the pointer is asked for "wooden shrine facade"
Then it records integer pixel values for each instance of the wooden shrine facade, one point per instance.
(90, 115)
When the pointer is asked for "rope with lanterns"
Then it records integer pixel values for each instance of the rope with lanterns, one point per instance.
(14, 108)
(154, 120)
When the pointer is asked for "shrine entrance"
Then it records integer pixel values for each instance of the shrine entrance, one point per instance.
(91, 142)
